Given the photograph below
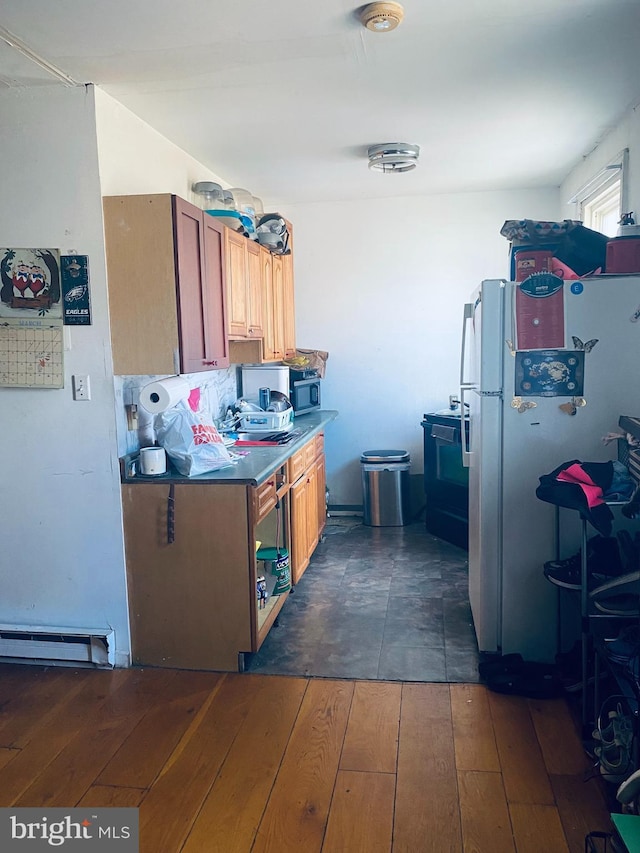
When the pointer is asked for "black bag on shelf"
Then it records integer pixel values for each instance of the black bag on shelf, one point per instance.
(583, 250)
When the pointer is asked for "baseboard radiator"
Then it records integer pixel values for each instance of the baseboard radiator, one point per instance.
(62, 646)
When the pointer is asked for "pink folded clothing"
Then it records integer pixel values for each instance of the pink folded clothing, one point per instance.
(576, 474)
(580, 485)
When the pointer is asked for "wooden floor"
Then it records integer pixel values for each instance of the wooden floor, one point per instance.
(226, 762)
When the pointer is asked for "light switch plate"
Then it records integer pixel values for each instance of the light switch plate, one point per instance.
(81, 386)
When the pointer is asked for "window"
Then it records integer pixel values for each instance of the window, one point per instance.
(601, 201)
(602, 211)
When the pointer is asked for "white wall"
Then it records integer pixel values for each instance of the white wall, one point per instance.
(62, 561)
(62, 556)
(135, 158)
(381, 285)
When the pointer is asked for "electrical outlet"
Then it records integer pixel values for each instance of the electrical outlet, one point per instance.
(81, 386)
(132, 416)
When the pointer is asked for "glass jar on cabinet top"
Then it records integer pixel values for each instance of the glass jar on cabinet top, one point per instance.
(207, 195)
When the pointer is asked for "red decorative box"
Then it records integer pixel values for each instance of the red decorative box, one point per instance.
(623, 255)
(528, 261)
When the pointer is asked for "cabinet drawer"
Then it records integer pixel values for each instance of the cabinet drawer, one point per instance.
(309, 453)
(264, 497)
(297, 464)
(304, 457)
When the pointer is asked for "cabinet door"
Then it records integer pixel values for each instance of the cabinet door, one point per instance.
(288, 307)
(216, 343)
(266, 269)
(237, 284)
(189, 595)
(321, 486)
(193, 310)
(311, 500)
(305, 528)
(142, 305)
(277, 287)
(254, 273)
(299, 546)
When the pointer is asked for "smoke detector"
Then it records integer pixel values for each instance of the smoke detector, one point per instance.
(393, 157)
(381, 17)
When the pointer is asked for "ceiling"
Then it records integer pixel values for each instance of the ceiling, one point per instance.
(284, 97)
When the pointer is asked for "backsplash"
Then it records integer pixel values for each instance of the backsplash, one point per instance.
(218, 389)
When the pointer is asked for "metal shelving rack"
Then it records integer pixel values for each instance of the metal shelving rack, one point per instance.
(587, 614)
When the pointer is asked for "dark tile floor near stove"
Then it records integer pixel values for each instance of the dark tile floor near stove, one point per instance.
(376, 603)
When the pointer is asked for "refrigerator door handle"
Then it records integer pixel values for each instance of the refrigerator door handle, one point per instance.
(464, 433)
(464, 385)
(468, 315)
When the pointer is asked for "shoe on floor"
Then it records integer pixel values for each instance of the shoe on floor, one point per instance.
(619, 605)
(625, 645)
(621, 585)
(630, 550)
(615, 762)
(570, 577)
(569, 667)
(619, 730)
(513, 675)
(629, 790)
(603, 557)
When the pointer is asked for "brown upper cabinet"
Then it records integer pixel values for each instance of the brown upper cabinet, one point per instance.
(166, 281)
(245, 289)
(237, 284)
(264, 328)
(273, 345)
(288, 304)
(256, 294)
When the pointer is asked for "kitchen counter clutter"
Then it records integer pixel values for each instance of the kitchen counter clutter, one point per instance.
(191, 542)
(252, 469)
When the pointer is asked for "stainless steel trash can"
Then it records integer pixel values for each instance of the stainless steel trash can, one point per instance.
(385, 487)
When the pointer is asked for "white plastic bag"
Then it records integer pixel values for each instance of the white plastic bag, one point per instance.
(191, 440)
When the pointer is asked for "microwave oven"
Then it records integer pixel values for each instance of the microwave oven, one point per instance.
(304, 391)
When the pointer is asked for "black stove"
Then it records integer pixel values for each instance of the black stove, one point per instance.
(446, 480)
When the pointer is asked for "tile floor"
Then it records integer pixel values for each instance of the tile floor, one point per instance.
(376, 603)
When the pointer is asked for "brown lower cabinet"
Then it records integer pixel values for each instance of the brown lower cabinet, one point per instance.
(191, 561)
(308, 503)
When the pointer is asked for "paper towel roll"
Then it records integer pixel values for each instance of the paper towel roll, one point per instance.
(164, 394)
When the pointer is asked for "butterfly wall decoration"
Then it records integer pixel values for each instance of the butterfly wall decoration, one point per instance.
(573, 405)
(522, 405)
(578, 344)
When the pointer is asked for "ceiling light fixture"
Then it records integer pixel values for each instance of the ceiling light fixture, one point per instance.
(393, 157)
(381, 17)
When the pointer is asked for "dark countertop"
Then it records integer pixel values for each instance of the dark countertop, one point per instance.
(252, 469)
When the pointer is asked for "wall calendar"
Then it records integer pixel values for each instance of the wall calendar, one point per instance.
(31, 357)
(31, 343)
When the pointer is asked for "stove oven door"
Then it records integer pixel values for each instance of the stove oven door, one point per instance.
(446, 480)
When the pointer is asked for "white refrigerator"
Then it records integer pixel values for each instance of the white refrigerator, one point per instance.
(512, 443)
